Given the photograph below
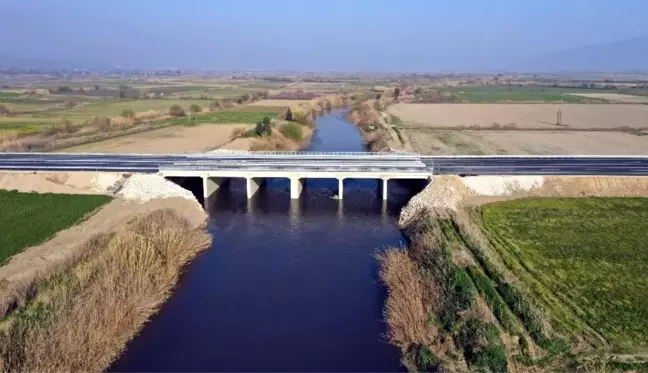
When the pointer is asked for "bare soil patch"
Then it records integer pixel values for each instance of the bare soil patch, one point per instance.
(174, 139)
(521, 115)
(526, 142)
(279, 103)
(58, 182)
(616, 97)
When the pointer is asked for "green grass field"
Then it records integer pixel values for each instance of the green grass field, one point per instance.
(589, 252)
(28, 219)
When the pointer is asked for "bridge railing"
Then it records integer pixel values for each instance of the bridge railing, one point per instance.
(217, 154)
(295, 169)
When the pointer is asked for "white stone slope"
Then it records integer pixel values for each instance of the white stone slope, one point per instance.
(447, 192)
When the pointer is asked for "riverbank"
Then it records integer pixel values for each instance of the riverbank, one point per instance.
(462, 296)
(376, 125)
(73, 302)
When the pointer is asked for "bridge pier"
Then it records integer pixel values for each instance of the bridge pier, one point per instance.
(212, 184)
(340, 188)
(296, 187)
(385, 181)
(252, 185)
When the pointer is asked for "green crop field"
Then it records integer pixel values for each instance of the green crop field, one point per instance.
(4, 95)
(27, 219)
(513, 93)
(25, 124)
(112, 108)
(589, 252)
(229, 116)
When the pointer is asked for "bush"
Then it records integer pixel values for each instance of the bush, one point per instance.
(101, 122)
(292, 131)
(128, 113)
(177, 111)
(68, 126)
(483, 347)
(427, 361)
(214, 105)
(238, 132)
(195, 108)
(263, 129)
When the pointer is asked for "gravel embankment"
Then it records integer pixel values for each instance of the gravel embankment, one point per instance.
(147, 187)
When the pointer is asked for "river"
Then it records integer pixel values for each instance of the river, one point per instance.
(287, 285)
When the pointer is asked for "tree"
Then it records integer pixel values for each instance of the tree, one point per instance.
(122, 93)
(214, 105)
(396, 93)
(418, 91)
(289, 115)
(263, 127)
(195, 108)
(68, 126)
(177, 111)
(128, 113)
(4, 111)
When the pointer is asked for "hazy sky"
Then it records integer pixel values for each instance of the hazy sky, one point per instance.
(358, 35)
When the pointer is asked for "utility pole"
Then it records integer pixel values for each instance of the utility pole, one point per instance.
(560, 111)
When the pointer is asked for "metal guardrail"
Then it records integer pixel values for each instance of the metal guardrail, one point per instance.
(310, 169)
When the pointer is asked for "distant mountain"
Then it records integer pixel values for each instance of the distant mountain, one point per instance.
(624, 55)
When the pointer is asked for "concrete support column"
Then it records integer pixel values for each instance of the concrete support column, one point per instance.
(296, 187)
(211, 185)
(252, 185)
(385, 181)
(340, 188)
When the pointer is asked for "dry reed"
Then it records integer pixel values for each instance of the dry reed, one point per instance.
(82, 319)
(412, 299)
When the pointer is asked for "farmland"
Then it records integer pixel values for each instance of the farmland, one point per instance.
(280, 103)
(522, 128)
(616, 97)
(108, 109)
(471, 142)
(180, 139)
(521, 115)
(529, 93)
(49, 113)
(522, 284)
(588, 252)
(26, 223)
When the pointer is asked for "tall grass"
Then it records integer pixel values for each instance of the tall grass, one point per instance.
(82, 319)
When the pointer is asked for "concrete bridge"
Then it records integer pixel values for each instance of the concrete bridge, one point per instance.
(340, 166)
(217, 167)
